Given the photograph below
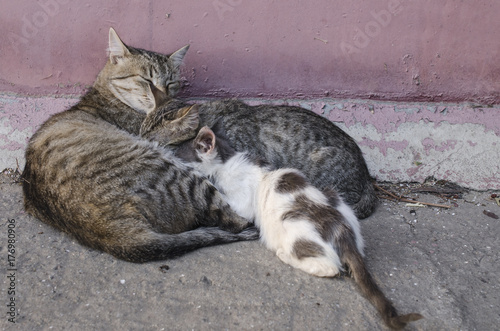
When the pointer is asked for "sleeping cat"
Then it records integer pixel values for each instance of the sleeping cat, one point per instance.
(89, 174)
(286, 136)
(308, 229)
(293, 137)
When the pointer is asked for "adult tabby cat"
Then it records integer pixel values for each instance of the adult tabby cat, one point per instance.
(89, 174)
(308, 229)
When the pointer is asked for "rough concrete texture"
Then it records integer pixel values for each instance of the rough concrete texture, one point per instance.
(441, 263)
(401, 141)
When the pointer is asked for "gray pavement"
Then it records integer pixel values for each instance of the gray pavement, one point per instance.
(441, 263)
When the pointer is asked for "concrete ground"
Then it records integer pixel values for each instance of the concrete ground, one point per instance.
(442, 263)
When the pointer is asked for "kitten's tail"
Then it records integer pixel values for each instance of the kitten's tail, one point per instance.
(370, 289)
(165, 246)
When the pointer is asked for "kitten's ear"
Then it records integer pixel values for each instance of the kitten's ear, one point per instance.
(205, 140)
(117, 49)
(177, 57)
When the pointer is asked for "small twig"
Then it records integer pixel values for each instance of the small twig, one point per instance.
(17, 166)
(403, 199)
(387, 192)
(19, 173)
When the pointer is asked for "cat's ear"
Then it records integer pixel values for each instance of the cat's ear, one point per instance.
(205, 140)
(117, 49)
(177, 57)
(183, 127)
(187, 118)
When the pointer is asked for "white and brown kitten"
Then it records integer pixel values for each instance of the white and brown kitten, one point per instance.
(308, 229)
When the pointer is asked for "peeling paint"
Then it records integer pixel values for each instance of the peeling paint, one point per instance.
(412, 171)
(19, 118)
(10, 145)
(430, 144)
(384, 145)
(407, 110)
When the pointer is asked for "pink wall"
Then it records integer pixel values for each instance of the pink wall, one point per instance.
(446, 50)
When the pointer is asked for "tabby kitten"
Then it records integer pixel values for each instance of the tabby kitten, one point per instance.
(306, 228)
(293, 137)
(89, 174)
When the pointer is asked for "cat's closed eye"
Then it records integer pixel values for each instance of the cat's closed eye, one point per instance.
(173, 88)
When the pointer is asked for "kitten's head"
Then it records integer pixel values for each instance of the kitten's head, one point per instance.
(206, 148)
(132, 74)
(171, 123)
(201, 149)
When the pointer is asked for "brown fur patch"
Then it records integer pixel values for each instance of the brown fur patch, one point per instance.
(306, 248)
(325, 218)
(333, 197)
(291, 182)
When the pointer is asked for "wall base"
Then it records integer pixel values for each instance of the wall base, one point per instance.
(401, 142)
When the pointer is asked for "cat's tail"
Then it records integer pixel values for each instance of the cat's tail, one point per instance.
(351, 256)
(367, 204)
(165, 246)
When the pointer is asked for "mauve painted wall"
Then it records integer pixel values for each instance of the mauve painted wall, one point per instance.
(383, 49)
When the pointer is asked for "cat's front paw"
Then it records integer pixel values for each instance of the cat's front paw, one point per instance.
(235, 223)
(250, 233)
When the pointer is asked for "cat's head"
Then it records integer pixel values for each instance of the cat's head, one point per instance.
(206, 148)
(200, 150)
(172, 122)
(131, 74)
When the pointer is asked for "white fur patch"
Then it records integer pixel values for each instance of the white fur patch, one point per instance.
(348, 214)
(237, 179)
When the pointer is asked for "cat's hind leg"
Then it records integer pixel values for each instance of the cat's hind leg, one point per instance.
(311, 257)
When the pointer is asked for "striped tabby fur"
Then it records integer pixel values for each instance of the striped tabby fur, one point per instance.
(89, 174)
(284, 137)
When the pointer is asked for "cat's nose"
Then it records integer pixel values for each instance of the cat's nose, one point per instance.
(162, 88)
(158, 94)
